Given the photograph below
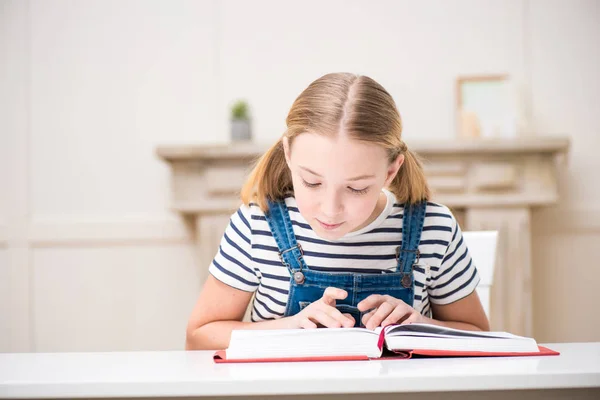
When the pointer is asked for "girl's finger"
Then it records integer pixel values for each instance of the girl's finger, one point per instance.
(351, 318)
(414, 317)
(338, 316)
(400, 312)
(332, 294)
(306, 323)
(324, 318)
(372, 301)
(382, 312)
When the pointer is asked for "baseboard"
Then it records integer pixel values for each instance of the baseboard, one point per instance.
(61, 233)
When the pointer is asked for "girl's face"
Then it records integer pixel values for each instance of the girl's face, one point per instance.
(338, 181)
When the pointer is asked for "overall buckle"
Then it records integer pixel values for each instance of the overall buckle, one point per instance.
(417, 253)
(298, 275)
(281, 253)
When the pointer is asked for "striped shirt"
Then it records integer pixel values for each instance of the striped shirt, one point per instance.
(248, 258)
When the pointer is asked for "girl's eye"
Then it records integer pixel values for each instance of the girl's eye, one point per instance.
(310, 185)
(358, 191)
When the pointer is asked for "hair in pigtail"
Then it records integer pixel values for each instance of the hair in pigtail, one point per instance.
(269, 180)
(410, 185)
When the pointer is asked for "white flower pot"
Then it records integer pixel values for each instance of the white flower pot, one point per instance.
(240, 130)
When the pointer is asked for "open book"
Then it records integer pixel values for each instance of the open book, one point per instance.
(362, 344)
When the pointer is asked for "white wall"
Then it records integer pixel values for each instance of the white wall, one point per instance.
(90, 256)
(565, 78)
(270, 50)
(15, 296)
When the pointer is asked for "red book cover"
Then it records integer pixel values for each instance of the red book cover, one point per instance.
(221, 356)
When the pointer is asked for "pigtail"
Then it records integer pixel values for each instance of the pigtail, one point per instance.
(410, 185)
(269, 180)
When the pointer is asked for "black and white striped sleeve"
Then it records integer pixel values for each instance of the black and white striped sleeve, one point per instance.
(233, 263)
(457, 276)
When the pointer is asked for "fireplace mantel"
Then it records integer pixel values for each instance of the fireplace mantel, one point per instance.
(488, 184)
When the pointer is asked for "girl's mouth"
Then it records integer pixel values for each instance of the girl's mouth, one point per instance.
(329, 227)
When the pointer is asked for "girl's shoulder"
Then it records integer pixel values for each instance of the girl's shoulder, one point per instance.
(439, 217)
(438, 210)
(435, 213)
(254, 208)
(253, 217)
(439, 223)
(248, 213)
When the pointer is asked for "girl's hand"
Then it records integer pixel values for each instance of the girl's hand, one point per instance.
(388, 310)
(323, 312)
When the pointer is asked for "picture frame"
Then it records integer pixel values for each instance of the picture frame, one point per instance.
(486, 107)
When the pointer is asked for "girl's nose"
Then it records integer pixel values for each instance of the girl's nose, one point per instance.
(332, 206)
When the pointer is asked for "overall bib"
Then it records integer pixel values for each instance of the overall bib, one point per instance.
(307, 286)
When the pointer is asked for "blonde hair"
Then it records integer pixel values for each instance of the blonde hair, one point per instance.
(339, 101)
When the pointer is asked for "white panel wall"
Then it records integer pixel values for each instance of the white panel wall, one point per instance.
(15, 330)
(113, 297)
(4, 137)
(4, 271)
(90, 256)
(565, 65)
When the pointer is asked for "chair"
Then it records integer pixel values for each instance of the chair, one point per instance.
(482, 246)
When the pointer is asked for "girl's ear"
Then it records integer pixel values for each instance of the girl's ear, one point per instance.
(286, 150)
(393, 169)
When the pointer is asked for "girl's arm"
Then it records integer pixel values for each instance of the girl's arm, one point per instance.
(466, 313)
(221, 308)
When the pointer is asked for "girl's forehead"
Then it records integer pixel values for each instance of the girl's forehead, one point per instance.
(338, 152)
(313, 142)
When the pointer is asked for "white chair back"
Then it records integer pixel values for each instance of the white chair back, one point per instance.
(482, 246)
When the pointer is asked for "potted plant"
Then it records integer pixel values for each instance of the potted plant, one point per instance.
(240, 121)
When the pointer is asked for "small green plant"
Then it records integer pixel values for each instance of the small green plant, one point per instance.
(239, 110)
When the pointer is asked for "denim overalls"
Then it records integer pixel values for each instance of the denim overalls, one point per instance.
(307, 286)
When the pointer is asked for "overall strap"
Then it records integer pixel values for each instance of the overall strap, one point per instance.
(290, 251)
(412, 226)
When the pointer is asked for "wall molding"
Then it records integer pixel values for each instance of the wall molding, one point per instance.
(3, 236)
(43, 233)
(116, 232)
(143, 231)
(557, 221)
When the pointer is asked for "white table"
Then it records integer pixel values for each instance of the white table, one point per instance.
(573, 374)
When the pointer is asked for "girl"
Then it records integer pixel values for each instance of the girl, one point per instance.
(336, 229)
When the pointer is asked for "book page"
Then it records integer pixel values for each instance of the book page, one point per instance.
(439, 338)
(291, 343)
(441, 331)
(253, 333)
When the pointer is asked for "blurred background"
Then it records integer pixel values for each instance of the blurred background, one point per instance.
(91, 256)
